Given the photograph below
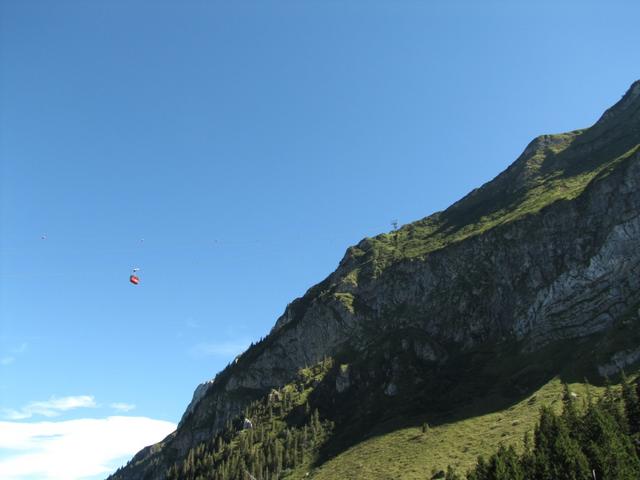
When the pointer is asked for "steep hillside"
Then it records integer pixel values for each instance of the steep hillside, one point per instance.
(469, 311)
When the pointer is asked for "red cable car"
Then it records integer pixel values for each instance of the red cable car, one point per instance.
(134, 279)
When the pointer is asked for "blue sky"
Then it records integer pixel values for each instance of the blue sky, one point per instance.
(233, 151)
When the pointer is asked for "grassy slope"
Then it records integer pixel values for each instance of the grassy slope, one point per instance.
(457, 437)
(409, 454)
(546, 175)
(397, 448)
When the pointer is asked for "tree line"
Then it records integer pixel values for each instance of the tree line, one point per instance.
(600, 441)
(274, 435)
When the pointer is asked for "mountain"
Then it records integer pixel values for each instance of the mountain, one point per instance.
(456, 320)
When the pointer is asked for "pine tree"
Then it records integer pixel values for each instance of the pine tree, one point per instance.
(527, 455)
(557, 453)
(611, 404)
(631, 405)
(570, 412)
(568, 460)
(451, 474)
(608, 448)
(543, 438)
(505, 465)
(481, 471)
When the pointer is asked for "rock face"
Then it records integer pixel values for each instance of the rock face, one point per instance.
(343, 379)
(619, 361)
(547, 251)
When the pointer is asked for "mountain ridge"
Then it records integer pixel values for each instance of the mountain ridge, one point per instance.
(479, 272)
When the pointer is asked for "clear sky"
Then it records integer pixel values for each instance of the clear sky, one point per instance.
(233, 150)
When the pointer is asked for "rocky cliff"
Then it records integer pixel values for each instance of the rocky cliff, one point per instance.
(544, 253)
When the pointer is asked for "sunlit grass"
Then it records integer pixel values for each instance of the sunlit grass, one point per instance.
(410, 454)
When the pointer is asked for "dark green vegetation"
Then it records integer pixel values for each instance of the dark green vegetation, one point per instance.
(275, 435)
(447, 419)
(280, 433)
(598, 429)
(602, 442)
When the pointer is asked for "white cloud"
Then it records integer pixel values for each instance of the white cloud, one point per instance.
(74, 449)
(50, 408)
(219, 349)
(122, 407)
(8, 360)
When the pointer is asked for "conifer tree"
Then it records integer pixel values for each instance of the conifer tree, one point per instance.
(527, 455)
(610, 403)
(543, 437)
(481, 471)
(569, 411)
(631, 405)
(505, 465)
(451, 474)
(608, 448)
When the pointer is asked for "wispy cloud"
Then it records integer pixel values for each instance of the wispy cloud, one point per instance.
(8, 360)
(74, 449)
(191, 323)
(20, 348)
(10, 356)
(122, 407)
(219, 349)
(50, 408)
